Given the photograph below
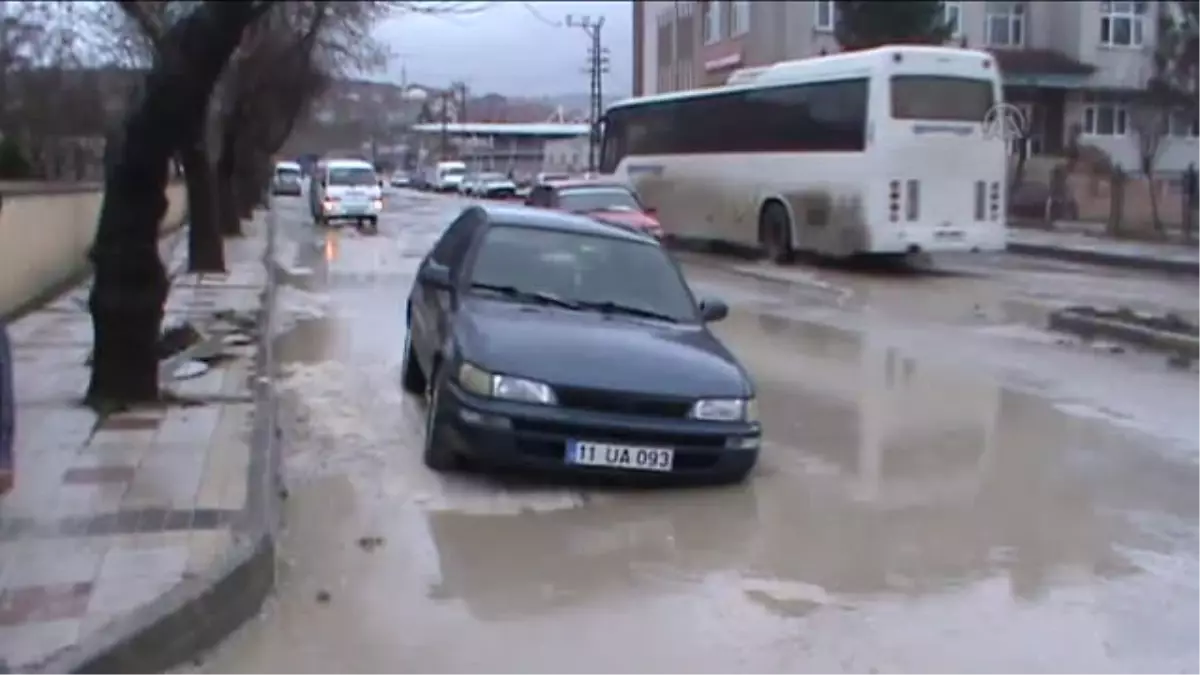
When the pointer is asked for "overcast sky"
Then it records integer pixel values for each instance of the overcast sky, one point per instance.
(511, 48)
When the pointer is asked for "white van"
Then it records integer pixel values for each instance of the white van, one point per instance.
(345, 189)
(287, 179)
(447, 176)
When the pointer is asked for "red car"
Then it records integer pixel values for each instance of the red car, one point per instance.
(608, 202)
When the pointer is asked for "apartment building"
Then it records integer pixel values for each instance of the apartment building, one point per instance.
(1064, 63)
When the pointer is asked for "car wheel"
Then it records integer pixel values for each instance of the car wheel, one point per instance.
(437, 457)
(775, 233)
(411, 378)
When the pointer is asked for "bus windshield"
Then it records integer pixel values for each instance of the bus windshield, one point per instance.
(942, 99)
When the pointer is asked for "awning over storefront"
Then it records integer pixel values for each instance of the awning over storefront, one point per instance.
(1042, 68)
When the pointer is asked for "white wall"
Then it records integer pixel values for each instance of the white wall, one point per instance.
(45, 237)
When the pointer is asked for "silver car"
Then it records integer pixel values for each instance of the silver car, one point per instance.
(287, 180)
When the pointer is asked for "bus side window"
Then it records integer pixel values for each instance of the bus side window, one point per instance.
(614, 143)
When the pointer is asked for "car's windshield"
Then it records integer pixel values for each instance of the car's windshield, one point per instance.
(493, 177)
(551, 177)
(597, 199)
(583, 268)
(453, 171)
(287, 173)
(352, 176)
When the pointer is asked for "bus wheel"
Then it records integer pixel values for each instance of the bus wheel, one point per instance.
(775, 233)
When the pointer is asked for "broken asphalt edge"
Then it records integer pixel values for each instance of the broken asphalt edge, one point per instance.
(198, 613)
(1063, 253)
(1081, 255)
(1076, 323)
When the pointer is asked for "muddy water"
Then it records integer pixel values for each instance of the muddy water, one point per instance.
(906, 516)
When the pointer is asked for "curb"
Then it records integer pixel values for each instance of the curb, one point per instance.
(199, 612)
(1070, 321)
(1134, 262)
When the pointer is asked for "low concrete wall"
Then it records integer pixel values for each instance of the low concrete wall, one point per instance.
(45, 233)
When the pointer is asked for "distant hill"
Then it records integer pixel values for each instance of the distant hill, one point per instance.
(572, 101)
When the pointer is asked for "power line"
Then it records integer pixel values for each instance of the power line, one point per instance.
(533, 11)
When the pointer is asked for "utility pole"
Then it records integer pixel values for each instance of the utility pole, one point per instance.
(597, 67)
(444, 105)
(460, 90)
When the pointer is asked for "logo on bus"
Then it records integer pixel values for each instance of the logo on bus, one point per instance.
(1004, 121)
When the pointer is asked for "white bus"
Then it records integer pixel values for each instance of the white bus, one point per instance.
(880, 151)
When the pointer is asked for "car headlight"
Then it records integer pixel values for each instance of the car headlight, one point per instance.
(482, 383)
(377, 204)
(725, 410)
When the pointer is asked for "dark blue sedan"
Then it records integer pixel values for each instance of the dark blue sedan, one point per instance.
(554, 342)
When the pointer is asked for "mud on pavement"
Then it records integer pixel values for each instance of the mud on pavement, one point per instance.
(929, 500)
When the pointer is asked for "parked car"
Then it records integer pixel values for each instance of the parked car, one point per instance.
(466, 186)
(288, 179)
(8, 413)
(555, 342)
(493, 186)
(400, 179)
(550, 177)
(608, 202)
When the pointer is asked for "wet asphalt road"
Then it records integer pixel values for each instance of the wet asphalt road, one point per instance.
(944, 488)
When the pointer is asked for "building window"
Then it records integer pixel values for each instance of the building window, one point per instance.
(825, 10)
(1122, 23)
(1105, 119)
(1005, 24)
(953, 9)
(1182, 124)
(739, 17)
(712, 22)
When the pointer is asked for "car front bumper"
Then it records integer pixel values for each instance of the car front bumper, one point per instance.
(351, 210)
(500, 193)
(529, 436)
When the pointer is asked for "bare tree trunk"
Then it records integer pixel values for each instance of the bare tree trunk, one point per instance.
(131, 285)
(206, 250)
(227, 211)
(251, 186)
(1159, 228)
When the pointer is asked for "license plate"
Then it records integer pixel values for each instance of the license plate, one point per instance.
(948, 234)
(588, 453)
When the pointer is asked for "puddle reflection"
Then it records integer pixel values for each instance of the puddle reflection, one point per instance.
(916, 476)
(504, 566)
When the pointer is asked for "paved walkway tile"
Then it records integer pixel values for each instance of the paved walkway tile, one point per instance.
(107, 515)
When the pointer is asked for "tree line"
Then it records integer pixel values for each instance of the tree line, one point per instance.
(221, 86)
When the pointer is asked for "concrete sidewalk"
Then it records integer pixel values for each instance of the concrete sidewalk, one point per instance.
(1075, 247)
(133, 541)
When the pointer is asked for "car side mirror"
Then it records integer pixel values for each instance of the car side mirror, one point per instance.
(712, 309)
(435, 276)
(381, 183)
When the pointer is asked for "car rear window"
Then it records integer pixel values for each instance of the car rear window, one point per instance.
(583, 267)
(352, 176)
(582, 200)
(942, 99)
